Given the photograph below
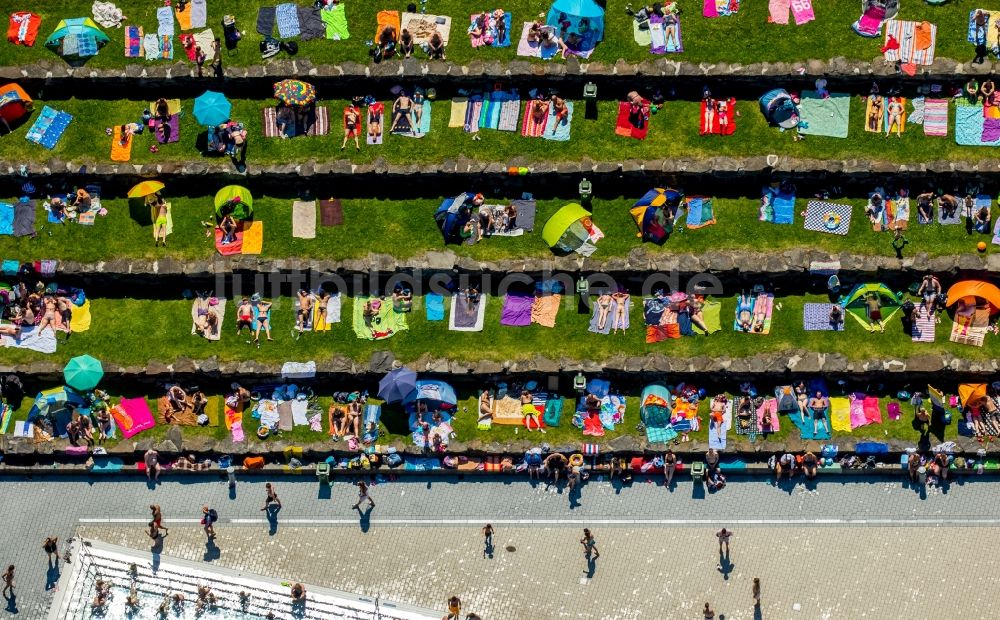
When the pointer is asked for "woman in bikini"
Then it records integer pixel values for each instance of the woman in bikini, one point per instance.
(338, 420)
(709, 119)
(160, 223)
(529, 412)
(670, 23)
(603, 310)
(539, 111)
(228, 227)
(695, 312)
(263, 322)
(485, 406)
(49, 315)
(722, 110)
(418, 110)
(401, 108)
(354, 411)
(621, 310)
(352, 127)
(895, 111)
(875, 113)
(375, 122)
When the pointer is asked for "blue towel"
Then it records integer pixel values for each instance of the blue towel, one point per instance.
(435, 307)
(48, 127)
(165, 21)
(561, 132)
(784, 208)
(871, 447)
(806, 427)
(287, 17)
(6, 218)
(10, 267)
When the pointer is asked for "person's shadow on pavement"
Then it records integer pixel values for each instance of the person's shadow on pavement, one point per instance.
(272, 519)
(12, 603)
(52, 575)
(591, 566)
(212, 551)
(725, 566)
(757, 614)
(366, 519)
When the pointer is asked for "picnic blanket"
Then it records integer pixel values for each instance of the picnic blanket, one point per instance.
(824, 117)
(973, 128)
(169, 131)
(610, 322)
(133, 42)
(311, 24)
(936, 118)
(531, 128)
(558, 130)
(253, 238)
(916, 42)
(544, 309)
(828, 217)
(23, 224)
(133, 416)
(405, 127)
(48, 127)
(465, 319)
(422, 27)
(711, 124)
(304, 219)
(762, 304)
(335, 20)
(385, 324)
(840, 414)
(331, 212)
(516, 310)
(32, 339)
(165, 21)
(816, 318)
(720, 8)
(700, 212)
(119, 151)
(534, 49)
(971, 330)
(923, 327)
(287, 17)
(492, 38)
(625, 127)
(157, 47)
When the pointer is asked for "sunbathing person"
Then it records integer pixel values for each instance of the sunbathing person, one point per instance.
(539, 111)
(244, 316)
(530, 412)
(209, 324)
(352, 127)
(874, 306)
(161, 110)
(435, 47)
(304, 310)
(49, 315)
(160, 222)
(479, 29)
(745, 316)
(127, 131)
(485, 406)
(370, 312)
(10, 330)
(948, 205)
(177, 398)
(418, 108)
(638, 114)
(263, 320)
(695, 311)
(982, 220)
(472, 297)
(818, 405)
(337, 419)
(895, 113)
(560, 111)
(354, 414)
(603, 309)
(402, 299)
(925, 207)
(400, 109)
(535, 32)
(875, 113)
(375, 122)
(670, 24)
(284, 119)
(57, 208)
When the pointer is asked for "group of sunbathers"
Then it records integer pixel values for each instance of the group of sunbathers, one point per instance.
(254, 314)
(619, 302)
(69, 205)
(40, 306)
(750, 315)
(817, 406)
(344, 419)
(180, 401)
(206, 315)
(310, 305)
(390, 43)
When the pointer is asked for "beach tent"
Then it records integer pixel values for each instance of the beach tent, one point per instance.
(779, 109)
(15, 104)
(452, 216)
(854, 303)
(435, 396)
(77, 39)
(654, 407)
(234, 200)
(649, 215)
(581, 17)
(975, 292)
(971, 394)
(55, 403)
(570, 229)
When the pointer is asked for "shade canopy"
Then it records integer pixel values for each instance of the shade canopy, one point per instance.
(566, 231)
(14, 103)
(83, 373)
(294, 92)
(976, 289)
(855, 303)
(584, 18)
(141, 190)
(51, 401)
(650, 213)
(397, 385)
(433, 394)
(77, 39)
(234, 200)
(212, 108)
(779, 109)
(971, 394)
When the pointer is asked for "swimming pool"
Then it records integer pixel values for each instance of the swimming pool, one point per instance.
(156, 577)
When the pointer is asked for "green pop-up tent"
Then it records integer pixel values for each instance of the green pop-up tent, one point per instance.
(855, 303)
(234, 200)
(571, 230)
(76, 40)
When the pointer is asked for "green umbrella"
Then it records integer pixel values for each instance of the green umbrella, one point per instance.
(83, 373)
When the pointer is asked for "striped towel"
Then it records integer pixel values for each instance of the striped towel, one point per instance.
(472, 113)
(509, 111)
(923, 325)
(936, 117)
(529, 128)
(906, 33)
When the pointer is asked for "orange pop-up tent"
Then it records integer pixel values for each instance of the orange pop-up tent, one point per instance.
(15, 104)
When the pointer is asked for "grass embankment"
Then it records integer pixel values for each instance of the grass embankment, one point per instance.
(132, 332)
(406, 228)
(827, 37)
(673, 133)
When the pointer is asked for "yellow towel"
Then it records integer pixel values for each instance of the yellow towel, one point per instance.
(840, 414)
(80, 321)
(119, 151)
(459, 108)
(253, 238)
(173, 105)
(319, 319)
(183, 17)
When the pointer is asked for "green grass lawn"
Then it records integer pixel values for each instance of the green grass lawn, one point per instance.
(132, 332)
(673, 134)
(119, 235)
(705, 40)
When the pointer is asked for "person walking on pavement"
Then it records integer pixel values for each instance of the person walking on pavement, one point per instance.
(157, 518)
(271, 498)
(363, 495)
(723, 535)
(755, 591)
(51, 547)
(210, 516)
(488, 535)
(709, 612)
(8, 581)
(589, 545)
(454, 608)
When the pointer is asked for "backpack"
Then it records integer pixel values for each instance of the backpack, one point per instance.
(269, 47)
(213, 516)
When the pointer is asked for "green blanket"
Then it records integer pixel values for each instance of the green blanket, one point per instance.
(712, 311)
(336, 23)
(384, 325)
(825, 117)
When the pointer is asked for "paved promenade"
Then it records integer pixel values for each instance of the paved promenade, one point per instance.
(870, 549)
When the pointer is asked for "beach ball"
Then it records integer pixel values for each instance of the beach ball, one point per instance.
(981, 246)
(522, 171)
(512, 171)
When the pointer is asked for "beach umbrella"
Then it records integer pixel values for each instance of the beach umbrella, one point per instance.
(145, 189)
(397, 384)
(212, 108)
(294, 92)
(83, 373)
(234, 200)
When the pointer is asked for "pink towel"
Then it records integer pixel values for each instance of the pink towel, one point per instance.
(873, 415)
(237, 430)
(894, 412)
(802, 11)
(768, 410)
(779, 11)
(858, 413)
(710, 10)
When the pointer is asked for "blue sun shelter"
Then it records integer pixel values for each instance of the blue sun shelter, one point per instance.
(779, 109)
(580, 23)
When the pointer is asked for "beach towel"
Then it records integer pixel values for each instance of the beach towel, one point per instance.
(762, 304)
(870, 23)
(170, 219)
(874, 114)
(924, 324)
(375, 111)
(700, 212)
(873, 414)
(711, 124)
(133, 416)
(230, 248)
(720, 8)
(385, 324)
(816, 318)
(544, 310)
(971, 330)
(187, 44)
(530, 127)
(265, 20)
(253, 238)
(916, 42)
(6, 218)
(840, 414)
(331, 212)
(335, 20)
(610, 322)
(465, 319)
(717, 430)
(473, 109)
(169, 131)
(459, 111)
(802, 11)
(711, 313)
(319, 125)
(285, 420)
(386, 18)
(516, 310)
(665, 34)
(205, 40)
(767, 416)
(81, 319)
(405, 129)
(435, 306)
(824, 117)
(219, 310)
(304, 219)
(510, 108)
(422, 27)
(916, 116)
(806, 426)
(311, 24)
(119, 151)
(559, 130)
(936, 118)
(777, 207)
(949, 221)
(183, 17)
(903, 117)
(641, 35)
(133, 42)
(972, 129)
(857, 412)
(624, 126)
(828, 217)
(489, 114)
(287, 17)
(333, 308)
(493, 38)
(158, 47)
(23, 28)
(533, 49)
(23, 222)
(165, 21)
(39, 341)
(199, 13)
(778, 11)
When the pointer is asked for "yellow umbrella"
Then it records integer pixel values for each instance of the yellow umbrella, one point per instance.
(145, 189)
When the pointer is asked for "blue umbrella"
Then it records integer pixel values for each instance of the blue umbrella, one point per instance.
(212, 108)
(397, 384)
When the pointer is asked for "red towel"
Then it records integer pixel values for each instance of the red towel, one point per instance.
(717, 128)
(188, 43)
(233, 248)
(592, 425)
(23, 28)
(625, 128)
